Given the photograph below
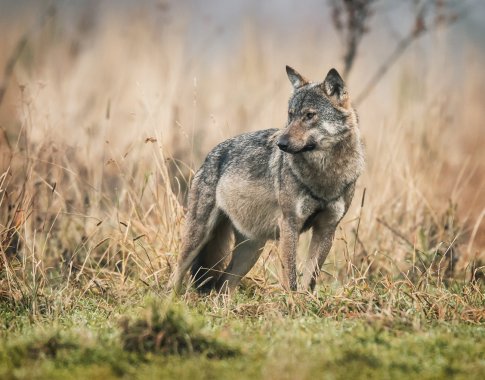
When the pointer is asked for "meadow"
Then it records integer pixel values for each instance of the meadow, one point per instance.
(105, 113)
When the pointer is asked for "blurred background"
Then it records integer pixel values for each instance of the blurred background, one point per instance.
(107, 108)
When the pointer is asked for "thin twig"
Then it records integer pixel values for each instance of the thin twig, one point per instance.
(358, 222)
(395, 232)
(384, 68)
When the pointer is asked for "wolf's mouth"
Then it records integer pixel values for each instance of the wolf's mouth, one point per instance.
(285, 145)
(306, 148)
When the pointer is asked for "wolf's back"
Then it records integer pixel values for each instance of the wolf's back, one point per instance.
(247, 152)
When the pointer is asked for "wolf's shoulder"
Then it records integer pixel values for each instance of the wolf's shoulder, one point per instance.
(251, 148)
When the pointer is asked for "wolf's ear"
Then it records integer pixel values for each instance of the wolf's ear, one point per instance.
(296, 79)
(335, 88)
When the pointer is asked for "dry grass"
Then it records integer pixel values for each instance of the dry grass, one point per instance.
(105, 119)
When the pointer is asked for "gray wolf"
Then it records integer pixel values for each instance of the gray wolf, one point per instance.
(274, 184)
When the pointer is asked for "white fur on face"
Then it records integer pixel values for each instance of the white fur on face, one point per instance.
(331, 128)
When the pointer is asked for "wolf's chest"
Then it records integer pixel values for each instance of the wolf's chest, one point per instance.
(251, 206)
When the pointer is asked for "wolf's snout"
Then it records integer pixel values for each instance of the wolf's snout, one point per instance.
(283, 143)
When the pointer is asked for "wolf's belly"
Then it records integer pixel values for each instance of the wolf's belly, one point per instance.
(250, 205)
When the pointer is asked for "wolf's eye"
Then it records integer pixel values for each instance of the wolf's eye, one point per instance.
(309, 115)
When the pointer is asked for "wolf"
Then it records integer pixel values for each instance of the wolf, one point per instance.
(274, 184)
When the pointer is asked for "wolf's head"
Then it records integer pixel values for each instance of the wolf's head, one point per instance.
(319, 114)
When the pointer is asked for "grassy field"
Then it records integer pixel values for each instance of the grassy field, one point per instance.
(356, 331)
(105, 115)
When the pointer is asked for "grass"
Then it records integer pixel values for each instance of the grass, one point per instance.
(253, 335)
(97, 148)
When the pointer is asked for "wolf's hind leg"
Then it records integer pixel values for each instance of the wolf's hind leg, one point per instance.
(209, 264)
(245, 254)
(201, 219)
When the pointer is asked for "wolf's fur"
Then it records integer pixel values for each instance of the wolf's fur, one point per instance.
(274, 184)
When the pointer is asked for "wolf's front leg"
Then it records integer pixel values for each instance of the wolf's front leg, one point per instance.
(288, 243)
(323, 231)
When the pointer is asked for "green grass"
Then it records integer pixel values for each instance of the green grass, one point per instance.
(254, 335)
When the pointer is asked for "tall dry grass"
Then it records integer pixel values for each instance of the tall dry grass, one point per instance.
(107, 115)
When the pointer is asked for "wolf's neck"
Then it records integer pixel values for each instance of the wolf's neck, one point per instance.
(326, 174)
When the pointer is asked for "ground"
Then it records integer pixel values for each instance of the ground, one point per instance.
(255, 334)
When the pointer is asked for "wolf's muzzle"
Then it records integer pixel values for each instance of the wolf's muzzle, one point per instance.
(284, 144)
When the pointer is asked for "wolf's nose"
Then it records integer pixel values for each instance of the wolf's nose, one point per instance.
(283, 143)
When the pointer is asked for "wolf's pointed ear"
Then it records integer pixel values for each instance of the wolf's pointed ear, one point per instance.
(335, 88)
(296, 79)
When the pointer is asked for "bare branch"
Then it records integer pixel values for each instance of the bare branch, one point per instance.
(419, 28)
(352, 29)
